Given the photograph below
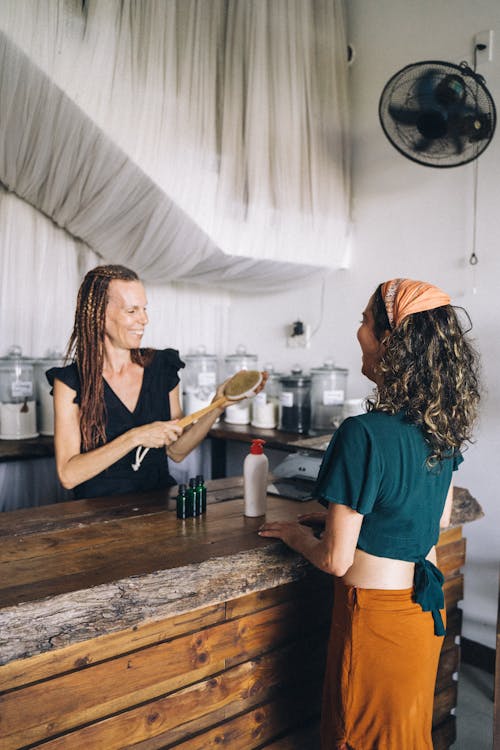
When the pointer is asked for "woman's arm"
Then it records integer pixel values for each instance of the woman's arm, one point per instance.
(195, 433)
(443, 522)
(74, 467)
(334, 551)
(446, 516)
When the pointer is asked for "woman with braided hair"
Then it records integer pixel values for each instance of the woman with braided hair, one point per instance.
(386, 481)
(115, 400)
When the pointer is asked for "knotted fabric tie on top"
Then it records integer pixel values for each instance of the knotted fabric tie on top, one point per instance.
(403, 297)
(428, 591)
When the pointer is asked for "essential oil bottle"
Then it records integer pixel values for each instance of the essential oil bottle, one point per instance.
(192, 506)
(201, 494)
(181, 504)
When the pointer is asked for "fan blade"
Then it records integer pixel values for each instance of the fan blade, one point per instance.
(422, 145)
(458, 144)
(404, 116)
(450, 91)
(425, 88)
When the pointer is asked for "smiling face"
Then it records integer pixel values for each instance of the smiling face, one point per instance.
(371, 348)
(126, 315)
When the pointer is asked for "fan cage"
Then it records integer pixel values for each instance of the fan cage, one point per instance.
(401, 91)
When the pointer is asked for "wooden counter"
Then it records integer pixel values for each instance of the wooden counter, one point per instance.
(121, 626)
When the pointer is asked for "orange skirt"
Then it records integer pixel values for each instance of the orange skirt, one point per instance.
(380, 673)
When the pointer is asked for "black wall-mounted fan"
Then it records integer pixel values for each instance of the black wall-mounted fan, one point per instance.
(437, 113)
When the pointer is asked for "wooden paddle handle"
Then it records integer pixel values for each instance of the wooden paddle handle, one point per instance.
(190, 418)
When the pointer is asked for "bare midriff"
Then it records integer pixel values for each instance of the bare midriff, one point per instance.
(372, 572)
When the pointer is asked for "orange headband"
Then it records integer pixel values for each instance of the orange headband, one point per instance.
(403, 297)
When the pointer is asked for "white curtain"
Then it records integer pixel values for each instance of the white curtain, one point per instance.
(209, 141)
(41, 269)
(39, 278)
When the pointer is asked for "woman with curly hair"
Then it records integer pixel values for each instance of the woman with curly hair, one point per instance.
(116, 405)
(386, 480)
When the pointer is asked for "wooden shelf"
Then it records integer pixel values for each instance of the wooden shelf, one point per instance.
(18, 450)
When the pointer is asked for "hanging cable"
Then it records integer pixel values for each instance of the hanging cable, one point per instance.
(474, 260)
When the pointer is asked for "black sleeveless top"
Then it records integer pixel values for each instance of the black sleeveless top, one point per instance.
(160, 377)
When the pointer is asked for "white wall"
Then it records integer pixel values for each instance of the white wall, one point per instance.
(413, 221)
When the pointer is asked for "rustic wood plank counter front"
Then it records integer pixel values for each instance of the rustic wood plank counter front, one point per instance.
(122, 627)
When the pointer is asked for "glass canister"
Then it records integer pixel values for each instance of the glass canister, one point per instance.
(239, 413)
(265, 405)
(295, 402)
(329, 384)
(199, 380)
(17, 396)
(44, 400)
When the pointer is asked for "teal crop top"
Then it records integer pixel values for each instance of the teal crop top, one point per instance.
(376, 464)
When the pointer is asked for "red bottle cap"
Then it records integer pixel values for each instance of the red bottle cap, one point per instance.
(256, 446)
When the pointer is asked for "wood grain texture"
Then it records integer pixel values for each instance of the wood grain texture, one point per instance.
(235, 689)
(121, 627)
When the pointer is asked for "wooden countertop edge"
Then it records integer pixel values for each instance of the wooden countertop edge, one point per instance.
(54, 622)
(43, 625)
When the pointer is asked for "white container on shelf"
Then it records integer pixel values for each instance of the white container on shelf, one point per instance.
(17, 396)
(199, 380)
(265, 405)
(328, 389)
(239, 413)
(44, 399)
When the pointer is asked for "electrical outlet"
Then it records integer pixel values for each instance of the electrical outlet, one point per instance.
(299, 336)
(484, 47)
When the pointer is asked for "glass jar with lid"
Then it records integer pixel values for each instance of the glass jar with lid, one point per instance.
(239, 413)
(265, 405)
(328, 389)
(44, 399)
(295, 402)
(199, 379)
(17, 396)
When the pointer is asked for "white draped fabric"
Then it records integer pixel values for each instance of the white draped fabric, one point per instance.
(62, 163)
(38, 292)
(202, 140)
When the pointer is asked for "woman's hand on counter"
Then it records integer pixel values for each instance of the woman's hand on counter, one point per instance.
(293, 533)
(334, 550)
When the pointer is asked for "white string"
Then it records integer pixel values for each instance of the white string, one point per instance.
(140, 455)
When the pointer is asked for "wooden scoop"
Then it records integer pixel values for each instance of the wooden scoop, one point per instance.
(241, 385)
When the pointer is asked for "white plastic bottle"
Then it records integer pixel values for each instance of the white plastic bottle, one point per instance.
(255, 469)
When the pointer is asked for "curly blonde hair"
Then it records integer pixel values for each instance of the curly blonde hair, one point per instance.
(431, 373)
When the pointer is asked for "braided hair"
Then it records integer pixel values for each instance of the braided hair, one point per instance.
(86, 348)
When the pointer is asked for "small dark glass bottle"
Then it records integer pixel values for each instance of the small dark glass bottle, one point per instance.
(181, 502)
(192, 509)
(201, 494)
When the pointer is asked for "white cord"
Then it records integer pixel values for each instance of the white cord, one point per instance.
(139, 457)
